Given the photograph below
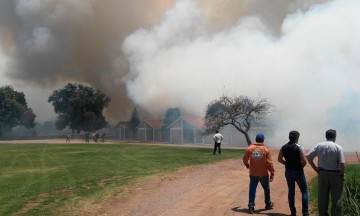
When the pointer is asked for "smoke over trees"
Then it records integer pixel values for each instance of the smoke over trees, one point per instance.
(50, 43)
(79, 107)
(242, 112)
(180, 53)
(14, 110)
(306, 60)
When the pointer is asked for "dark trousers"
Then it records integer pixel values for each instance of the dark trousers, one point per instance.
(217, 146)
(329, 182)
(298, 177)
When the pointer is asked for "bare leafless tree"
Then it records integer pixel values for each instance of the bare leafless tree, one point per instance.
(241, 112)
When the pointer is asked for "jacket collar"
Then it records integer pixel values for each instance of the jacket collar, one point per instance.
(259, 144)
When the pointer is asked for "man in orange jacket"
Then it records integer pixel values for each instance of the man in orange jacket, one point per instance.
(259, 167)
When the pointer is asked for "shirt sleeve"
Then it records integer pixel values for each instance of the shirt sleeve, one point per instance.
(246, 157)
(341, 156)
(270, 163)
(312, 153)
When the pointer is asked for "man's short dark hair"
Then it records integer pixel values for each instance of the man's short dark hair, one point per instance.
(216, 131)
(294, 136)
(330, 134)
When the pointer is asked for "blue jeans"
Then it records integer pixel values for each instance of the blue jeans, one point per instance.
(293, 176)
(264, 181)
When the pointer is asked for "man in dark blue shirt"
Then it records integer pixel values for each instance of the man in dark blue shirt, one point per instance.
(294, 162)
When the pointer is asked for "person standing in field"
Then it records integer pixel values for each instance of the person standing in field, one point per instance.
(331, 172)
(217, 139)
(87, 137)
(103, 137)
(258, 160)
(68, 137)
(294, 162)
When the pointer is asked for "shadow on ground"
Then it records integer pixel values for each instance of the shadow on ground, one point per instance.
(257, 211)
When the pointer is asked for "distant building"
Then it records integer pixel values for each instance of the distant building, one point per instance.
(186, 129)
(122, 131)
(233, 137)
(149, 130)
(109, 132)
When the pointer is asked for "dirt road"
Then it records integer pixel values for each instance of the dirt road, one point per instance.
(217, 189)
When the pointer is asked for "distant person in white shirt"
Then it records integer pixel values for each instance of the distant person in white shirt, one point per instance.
(217, 139)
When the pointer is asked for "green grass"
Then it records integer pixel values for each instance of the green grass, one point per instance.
(313, 194)
(40, 179)
(351, 200)
(351, 193)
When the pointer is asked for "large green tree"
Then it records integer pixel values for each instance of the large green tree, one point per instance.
(241, 112)
(14, 110)
(79, 107)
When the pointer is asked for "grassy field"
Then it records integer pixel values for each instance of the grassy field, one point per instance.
(40, 179)
(351, 194)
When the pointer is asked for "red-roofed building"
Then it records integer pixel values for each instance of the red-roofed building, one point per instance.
(186, 129)
(149, 130)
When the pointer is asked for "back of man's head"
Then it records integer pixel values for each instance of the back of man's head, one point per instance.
(330, 134)
(259, 138)
(294, 136)
(216, 131)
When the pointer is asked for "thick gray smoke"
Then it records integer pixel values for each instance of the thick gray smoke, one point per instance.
(308, 68)
(47, 43)
(302, 55)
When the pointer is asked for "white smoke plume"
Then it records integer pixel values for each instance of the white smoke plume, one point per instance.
(308, 68)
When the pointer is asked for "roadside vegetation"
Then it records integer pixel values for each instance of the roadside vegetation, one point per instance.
(40, 179)
(351, 200)
(351, 194)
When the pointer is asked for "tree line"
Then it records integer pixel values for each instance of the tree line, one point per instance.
(80, 107)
